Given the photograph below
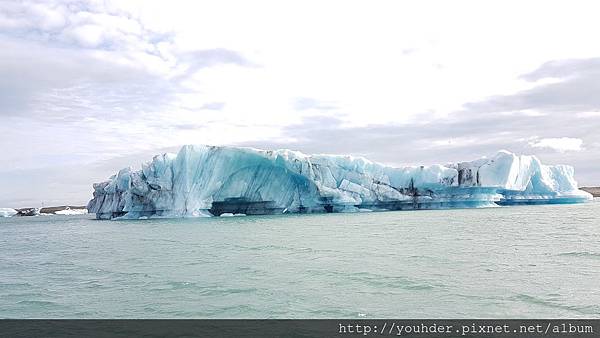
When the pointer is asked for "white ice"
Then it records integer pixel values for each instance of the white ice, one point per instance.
(69, 211)
(7, 212)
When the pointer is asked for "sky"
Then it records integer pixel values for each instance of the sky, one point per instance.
(89, 87)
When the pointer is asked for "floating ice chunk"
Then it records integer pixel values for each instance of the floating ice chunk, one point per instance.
(7, 212)
(229, 214)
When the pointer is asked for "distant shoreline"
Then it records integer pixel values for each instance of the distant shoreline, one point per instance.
(595, 191)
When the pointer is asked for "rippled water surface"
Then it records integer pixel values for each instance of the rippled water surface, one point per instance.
(534, 261)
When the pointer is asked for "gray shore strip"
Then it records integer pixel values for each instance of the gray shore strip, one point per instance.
(595, 191)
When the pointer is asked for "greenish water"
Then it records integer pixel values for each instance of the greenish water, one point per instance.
(530, 261)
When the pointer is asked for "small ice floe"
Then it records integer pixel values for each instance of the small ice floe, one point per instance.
(7, 212)
(364, 210)
(229, 214)
(143, 217)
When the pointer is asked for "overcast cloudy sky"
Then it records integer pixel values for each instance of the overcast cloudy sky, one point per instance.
(87, 87)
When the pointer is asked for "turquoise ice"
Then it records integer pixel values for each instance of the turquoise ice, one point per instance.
(214, 181)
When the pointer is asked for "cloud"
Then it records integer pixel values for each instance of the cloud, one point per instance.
(213, 106)
(50, 82)
(196, 60)
(561, 144)
(588, 114)
(306, 103)
(575, 91)
(89, 24)
(82, 82)
(88, 35)
(561, 69)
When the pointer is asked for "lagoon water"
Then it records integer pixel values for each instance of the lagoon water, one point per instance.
(529, 261)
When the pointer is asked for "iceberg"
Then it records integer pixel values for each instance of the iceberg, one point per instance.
(202, 181)
(7, 212)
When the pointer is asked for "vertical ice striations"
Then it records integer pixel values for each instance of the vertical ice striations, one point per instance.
(206, 180)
